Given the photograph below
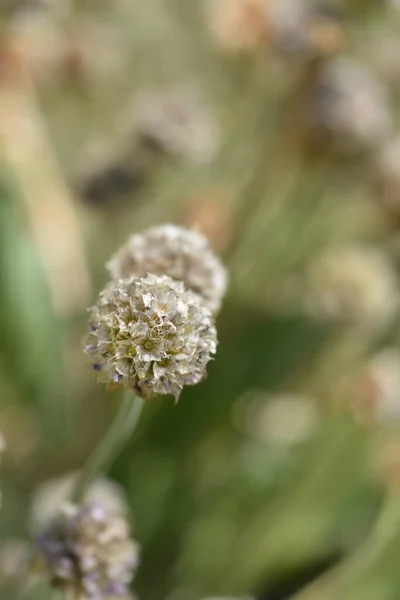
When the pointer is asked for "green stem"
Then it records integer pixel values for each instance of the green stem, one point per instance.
(111, 445)
(330, 585)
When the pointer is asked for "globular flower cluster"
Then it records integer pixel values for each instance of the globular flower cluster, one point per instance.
(282, 420)
(53, 493)
(348, 108)
(182, 254)
(88, 553)
(355, 286)
(150, 334)
(175, 122)
(303, 30)
(293, 29)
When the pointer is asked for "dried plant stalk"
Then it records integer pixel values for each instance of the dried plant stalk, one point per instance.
(28, 153)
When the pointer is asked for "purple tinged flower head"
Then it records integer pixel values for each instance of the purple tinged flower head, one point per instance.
(88, 552)
(176, 123)
(348, 107)
(355, 286)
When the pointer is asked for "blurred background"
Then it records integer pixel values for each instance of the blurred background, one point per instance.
(271, 127)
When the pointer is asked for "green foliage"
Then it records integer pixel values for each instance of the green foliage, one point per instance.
(216, 509)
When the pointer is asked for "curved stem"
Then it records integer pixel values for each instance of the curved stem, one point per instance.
(111, 445)
(385, 530)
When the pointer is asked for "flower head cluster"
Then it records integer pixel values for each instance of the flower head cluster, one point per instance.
(348, 109)
(303, 30)
(150, 334)
(55, 492)
(176, 123)
(182, 254)
(281, 419)
(292, 28)
(88, 553)
(354, 285)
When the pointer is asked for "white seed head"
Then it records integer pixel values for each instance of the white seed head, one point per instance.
(356, 286)
(87, 552)
(282, 420)
(151, 335)
(288, 19)
(349, 107)
(302, 30)
(182, 254)
(50, 495)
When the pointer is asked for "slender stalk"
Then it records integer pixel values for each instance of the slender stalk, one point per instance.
(331, 584)
(111, 445)
(269, 524)
(51, 210)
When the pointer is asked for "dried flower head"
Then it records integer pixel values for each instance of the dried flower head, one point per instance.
(293, 28)
(387, 176)
(302, 30)
(151, 335)
(88, 553)
(348, 108)
(182, 254)
(52, 494)
(354, 285)
(282, 420)
(174, 122)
